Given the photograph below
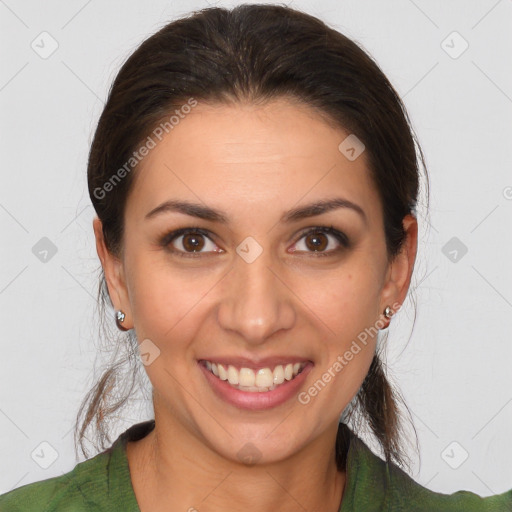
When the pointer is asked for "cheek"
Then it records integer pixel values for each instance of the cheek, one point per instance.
(347, 306)
(353, 367)
(346, 300)
(165, 300)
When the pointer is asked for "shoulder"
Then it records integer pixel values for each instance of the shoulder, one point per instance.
(390, 488)
(406, 494)
(100, 484)
(74, 490)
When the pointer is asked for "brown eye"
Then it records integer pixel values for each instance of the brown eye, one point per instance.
(193, 242)
(316, 241)
(322, 241)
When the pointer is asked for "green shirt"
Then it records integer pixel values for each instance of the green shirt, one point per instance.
(103, 483)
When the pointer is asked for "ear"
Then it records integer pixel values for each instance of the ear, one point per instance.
(114, 275)
(400, 269)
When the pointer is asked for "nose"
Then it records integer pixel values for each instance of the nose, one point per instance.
(256, 302)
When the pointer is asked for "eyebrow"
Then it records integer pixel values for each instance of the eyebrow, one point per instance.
(302, 212)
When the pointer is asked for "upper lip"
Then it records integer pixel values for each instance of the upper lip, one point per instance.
(244, 362)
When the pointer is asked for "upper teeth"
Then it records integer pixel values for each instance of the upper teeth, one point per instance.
(262, 378)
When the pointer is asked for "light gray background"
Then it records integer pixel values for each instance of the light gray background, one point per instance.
(455, 370)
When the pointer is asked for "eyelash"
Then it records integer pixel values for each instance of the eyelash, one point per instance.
(330, 230)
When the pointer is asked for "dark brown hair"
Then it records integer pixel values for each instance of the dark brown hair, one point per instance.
(252, 53)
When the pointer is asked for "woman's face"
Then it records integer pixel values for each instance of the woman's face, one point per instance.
(258, 284)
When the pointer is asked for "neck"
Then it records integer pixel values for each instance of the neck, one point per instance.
(171, 469)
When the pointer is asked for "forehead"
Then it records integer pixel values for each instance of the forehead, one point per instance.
(240, 156)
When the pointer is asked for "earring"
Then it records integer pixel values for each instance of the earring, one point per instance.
(388, 312)
(120, 316)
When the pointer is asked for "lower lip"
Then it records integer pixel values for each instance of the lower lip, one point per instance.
(257, 400)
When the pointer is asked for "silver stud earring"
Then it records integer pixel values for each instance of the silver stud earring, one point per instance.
(388, 312)
(120, 316)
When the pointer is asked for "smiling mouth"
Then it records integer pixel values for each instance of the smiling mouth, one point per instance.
(261, 380)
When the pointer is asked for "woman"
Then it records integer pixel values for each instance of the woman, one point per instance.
(255, 180)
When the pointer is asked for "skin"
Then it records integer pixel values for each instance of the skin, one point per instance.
(254, 163)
